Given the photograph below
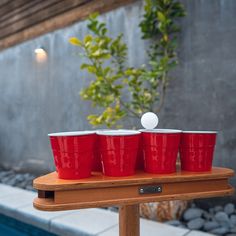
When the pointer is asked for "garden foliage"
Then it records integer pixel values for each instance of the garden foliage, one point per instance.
(107, 62)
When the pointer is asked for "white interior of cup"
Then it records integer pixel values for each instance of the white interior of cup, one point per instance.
(161, 131)
(200, 132)
(121, 132)
(74, 133)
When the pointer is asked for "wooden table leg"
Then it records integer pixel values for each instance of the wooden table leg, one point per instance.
(129, 220)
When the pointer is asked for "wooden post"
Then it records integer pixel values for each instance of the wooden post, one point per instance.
(129, 220)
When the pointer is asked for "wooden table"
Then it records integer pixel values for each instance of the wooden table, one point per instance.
(128, 192)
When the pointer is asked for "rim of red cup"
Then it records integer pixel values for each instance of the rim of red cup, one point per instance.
(72, 133)
(161, 131)
(117, 132)
(200, 132)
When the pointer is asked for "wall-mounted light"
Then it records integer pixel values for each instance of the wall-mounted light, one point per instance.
(41, 54)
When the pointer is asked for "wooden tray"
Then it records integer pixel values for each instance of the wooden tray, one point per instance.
(100, 191)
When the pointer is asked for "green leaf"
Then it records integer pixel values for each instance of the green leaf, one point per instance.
(94, 15)
(75, 41)
(84, 66)
(88, 38)
(161, 16)
(92, 69)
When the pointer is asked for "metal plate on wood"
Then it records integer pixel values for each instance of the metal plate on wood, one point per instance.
(150, 189)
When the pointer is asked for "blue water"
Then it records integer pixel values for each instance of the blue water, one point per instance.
(5, 230)
(12, 227)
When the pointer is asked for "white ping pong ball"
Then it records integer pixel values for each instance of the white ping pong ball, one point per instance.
(149, 120)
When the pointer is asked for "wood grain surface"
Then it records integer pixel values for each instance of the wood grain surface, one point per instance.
(52, 183)
(49, 204)
(129, 224)
(21, 20)
(100, 191)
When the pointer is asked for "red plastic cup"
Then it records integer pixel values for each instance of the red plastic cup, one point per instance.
(140, 161)
(96, 163)
(73, 153)
(197, 150)
(160, 149)
(118, 150)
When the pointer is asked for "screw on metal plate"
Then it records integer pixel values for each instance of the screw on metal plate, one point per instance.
(150, 189)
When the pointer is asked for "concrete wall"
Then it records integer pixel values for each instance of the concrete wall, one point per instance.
(203, 97)
(38, 98)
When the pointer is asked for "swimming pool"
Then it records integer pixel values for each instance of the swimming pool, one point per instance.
(13, 227)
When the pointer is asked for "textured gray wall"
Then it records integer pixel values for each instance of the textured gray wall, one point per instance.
(203, 97)
(38, 98)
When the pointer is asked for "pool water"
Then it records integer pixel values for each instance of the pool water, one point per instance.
(5, 230)
(12, 227)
